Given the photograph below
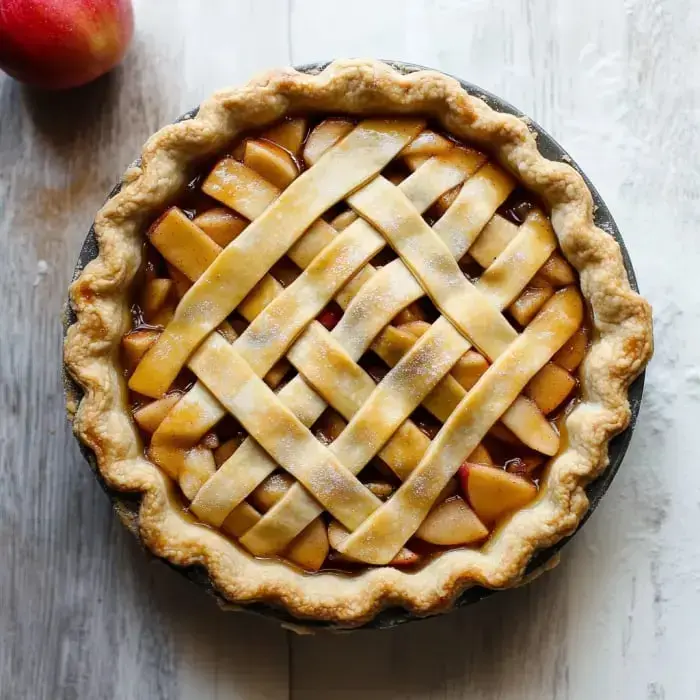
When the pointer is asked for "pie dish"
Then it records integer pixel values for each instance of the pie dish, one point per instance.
(354, 341)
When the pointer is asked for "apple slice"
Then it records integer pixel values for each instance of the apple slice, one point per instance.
(198, 469)
(406, 557)
(271, 491)
(452, 522)
(445, 201)
(572, 353)
(413, 312)
(493, 492)
(531, 300)
(289, 134)
(336, 534)
(343, 220)
(240, 188)
(226, 449)
(325, 136)
(469, 368)
(480, 455)
(550, 387)
(415, 328)
(329, 426)
(381, 489)
(150, 416)
(500, 432)
(226, 330)
(557, 271)
(309, 548)
(155, 292)
(221, 225)
(136, 345)
(270, 161)
(275, 376)
(183, 244)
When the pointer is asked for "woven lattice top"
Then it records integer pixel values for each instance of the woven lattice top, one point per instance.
(380, 237)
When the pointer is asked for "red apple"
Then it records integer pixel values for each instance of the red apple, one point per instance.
(63, 43)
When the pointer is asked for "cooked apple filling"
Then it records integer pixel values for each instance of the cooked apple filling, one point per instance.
(395, 381)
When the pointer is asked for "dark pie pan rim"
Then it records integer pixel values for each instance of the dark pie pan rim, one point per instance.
(127, 505)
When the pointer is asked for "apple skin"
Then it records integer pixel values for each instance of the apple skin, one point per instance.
(59, 44)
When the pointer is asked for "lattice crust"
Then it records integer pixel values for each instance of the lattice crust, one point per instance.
(247, 307)
(265, 185)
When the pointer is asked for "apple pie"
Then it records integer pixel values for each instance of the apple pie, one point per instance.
(354, 341)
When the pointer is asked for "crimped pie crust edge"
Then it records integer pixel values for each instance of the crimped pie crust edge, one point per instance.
(100, 297)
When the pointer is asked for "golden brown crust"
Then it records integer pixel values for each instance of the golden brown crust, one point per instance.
(100, 297)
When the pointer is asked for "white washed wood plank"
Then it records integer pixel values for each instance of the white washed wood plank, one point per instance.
(83, 613)
(612, 82)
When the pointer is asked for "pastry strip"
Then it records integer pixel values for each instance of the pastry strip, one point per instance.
(378, 539)
(246, 260)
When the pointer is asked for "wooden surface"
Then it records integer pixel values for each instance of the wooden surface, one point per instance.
(85, 614)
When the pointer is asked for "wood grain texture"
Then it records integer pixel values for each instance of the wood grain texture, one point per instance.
(84, 614)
